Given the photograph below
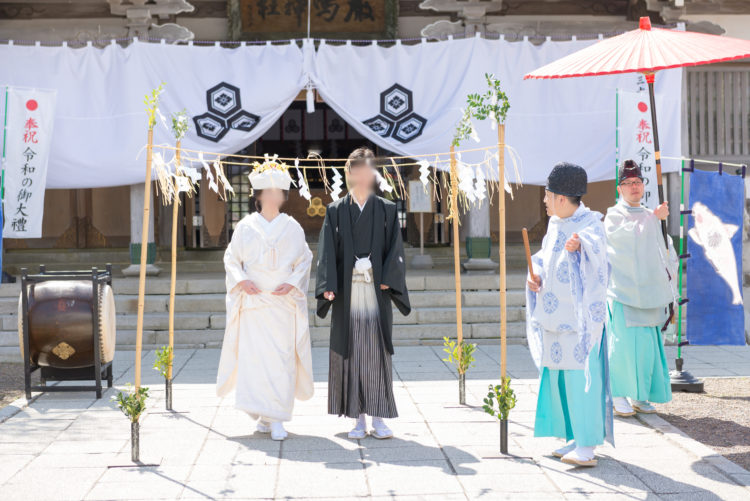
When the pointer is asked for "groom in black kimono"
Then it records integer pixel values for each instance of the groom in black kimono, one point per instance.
(361, 270)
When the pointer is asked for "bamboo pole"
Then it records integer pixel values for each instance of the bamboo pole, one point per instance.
(501, 246)
(173, 282)
(456, 248)
(144, 250)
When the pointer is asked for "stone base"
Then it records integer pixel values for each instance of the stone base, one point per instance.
(134, 270)
(480, 265)
(422, 262)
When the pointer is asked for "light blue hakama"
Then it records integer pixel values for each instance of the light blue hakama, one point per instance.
(638, 365)
(566, 410)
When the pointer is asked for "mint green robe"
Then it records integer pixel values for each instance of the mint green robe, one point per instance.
(637, 363)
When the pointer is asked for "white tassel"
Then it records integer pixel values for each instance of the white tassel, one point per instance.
(222, 178)
(203, 162)
(466, 181)
(480, 186)
(382, 182)
(192, 173)
(304, 191)
(183, 184)
(210, 176)
(473, 134)
(338, 182)
(158, 160)
(424, 172)
(162, 119)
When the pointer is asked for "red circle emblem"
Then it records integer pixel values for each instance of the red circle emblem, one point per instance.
(642, 107)
(31, 104)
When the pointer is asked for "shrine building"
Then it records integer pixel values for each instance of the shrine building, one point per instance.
(109, 219)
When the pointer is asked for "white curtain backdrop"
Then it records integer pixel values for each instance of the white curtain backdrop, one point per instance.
(100, 124)
(549, 121)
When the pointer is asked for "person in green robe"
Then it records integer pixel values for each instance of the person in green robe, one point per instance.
(361, 272)
(641, 288)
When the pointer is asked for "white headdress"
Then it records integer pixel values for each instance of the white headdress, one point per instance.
(270, 174)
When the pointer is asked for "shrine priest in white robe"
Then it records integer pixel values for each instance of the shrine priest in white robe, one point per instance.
(641, 288)
(565, 312)
(266, 352)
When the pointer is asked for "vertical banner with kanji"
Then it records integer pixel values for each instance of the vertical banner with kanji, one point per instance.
(636, 140)
(29, 116)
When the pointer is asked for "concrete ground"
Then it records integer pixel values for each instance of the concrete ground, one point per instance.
(72, 446)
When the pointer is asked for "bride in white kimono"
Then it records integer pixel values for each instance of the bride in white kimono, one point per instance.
(266, 351)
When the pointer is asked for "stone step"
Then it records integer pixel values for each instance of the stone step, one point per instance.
(209, 283)
(404, 335)
(215, 301)
(122, 254)
(199, 260)
(192, 320)
(419, 316)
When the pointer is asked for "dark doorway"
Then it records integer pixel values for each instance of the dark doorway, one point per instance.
(295, 135)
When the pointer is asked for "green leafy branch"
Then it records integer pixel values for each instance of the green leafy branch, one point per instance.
(152, 104)
(492, 104)
(163, 360)
(180, 124)
(461, 355)
(132, 403)
(500, 400)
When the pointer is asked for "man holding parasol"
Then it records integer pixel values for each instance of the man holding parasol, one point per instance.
(641, 288)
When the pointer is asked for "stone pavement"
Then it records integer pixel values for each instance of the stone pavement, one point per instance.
(71, 446)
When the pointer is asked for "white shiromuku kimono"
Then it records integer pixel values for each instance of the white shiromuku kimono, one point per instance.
(564, 321)
(266, 351)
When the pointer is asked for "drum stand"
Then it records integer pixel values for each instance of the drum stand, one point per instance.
(96, 373)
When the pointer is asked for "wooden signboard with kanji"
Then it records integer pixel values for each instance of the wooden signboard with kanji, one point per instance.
(276, 19)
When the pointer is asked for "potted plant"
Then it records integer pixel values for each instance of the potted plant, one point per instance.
(461, 355)
(499, 401)
(132, 403)
(162, 364)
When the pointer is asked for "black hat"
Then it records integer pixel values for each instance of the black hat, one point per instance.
(567, 179)
(629, 169)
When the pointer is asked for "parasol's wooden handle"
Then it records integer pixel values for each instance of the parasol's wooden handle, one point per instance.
(528, 253)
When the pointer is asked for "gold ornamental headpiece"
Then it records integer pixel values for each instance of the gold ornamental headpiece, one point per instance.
(270, 174)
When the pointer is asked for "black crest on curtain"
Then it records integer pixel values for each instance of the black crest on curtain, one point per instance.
(224, 113)
(397, 118)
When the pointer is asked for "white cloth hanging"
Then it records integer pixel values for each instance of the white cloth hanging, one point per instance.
(549, 120)
(405, 98)
(100, 121)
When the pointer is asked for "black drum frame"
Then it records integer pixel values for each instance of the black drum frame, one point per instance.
(96, 373)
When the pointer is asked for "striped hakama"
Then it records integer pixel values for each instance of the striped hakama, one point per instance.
(363, 382)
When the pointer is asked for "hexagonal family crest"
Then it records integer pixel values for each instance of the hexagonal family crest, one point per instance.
(224, 113)
(397, 118)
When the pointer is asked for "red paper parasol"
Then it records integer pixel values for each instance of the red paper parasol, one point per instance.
(646, 51)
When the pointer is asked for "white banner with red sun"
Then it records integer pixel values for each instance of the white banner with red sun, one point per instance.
(29, 117)
(636, 136)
